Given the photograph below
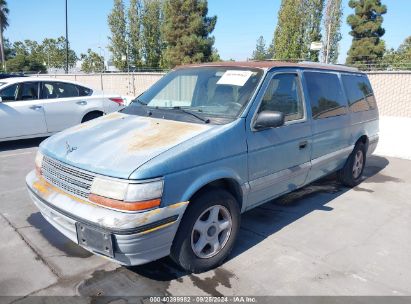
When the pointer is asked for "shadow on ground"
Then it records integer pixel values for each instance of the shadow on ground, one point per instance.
(259, 223)
(20, 144)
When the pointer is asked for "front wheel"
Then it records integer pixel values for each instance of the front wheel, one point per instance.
(207, 232)
(350, 175)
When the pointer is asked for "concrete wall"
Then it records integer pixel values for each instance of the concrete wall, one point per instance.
(392, 89)
(393, 92)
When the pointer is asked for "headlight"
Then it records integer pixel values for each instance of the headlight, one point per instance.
(38, 161)
(126, 196)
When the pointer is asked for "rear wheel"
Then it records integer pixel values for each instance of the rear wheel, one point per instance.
(350, 175)
(207, 232)
(91, 116)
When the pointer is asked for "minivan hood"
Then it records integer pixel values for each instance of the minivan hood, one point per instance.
(117, 144)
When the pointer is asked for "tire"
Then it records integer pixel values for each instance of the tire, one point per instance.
(91, 116)
(186, 248)
(351, 174)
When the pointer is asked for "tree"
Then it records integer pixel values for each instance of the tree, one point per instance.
(92, 62)
(311, 27)
(287, 39)
(118, 39)
(399, 59)
(215, 56)
(332, 28)
(152, 43)
(4, 12)
(134, 31)
(186, 32)
(260, 52)
(299, 23)
(22, 63)
(53, 53)
(366, 28)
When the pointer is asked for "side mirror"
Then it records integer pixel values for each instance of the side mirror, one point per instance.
(269, 119)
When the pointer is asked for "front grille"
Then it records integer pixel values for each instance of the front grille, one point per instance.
(71, 180)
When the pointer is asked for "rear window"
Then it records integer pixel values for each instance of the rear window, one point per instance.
(326, 95)
(359, 93)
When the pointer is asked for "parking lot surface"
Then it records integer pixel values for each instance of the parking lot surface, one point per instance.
(321, 240)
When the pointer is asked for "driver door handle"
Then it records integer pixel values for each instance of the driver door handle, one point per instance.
(303, 144)
(81, 103)
(36, 107)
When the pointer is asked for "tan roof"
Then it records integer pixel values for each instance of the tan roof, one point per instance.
(268, 64)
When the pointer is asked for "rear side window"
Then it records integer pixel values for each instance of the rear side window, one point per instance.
(359, 93)
(83, 91)
(29, 91)
(283, 95)
(326, 95)
(59, 90)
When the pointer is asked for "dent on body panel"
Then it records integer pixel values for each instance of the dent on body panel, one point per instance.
(160, 133)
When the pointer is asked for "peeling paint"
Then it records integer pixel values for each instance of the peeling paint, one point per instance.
(178, 205)
(159, 133)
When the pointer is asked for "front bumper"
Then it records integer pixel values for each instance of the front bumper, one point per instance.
(138, 238)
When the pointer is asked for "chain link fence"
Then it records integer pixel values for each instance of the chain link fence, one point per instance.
(392, 87)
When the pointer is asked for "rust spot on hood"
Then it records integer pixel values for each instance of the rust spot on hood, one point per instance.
(161, 133)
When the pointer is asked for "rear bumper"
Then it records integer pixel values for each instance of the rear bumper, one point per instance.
(372, 144)
(132, 245)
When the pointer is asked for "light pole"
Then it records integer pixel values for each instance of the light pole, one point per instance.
(104, 57)
(67, 42)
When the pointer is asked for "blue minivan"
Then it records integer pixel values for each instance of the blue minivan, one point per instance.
(171, 173)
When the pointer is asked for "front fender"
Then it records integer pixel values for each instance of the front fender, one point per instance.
(181, 186)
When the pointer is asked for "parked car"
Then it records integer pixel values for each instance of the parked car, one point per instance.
(37, 107)
(4, 75)
(171, 173)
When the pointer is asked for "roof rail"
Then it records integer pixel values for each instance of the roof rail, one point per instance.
(337, 66)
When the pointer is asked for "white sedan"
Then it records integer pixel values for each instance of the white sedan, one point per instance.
(37, 107)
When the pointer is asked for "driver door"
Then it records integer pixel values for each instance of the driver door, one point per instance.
(278, 158)
(21, 112)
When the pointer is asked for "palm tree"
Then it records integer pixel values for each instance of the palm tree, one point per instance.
(4, 12)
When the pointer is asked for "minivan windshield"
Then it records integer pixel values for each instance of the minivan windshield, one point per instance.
(207, 91)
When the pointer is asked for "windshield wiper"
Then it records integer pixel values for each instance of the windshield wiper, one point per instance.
(205, 120)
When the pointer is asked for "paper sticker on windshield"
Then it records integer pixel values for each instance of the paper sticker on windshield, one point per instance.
(235, 77)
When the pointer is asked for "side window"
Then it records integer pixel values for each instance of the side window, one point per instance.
(283, 95)
(83, 91)
(356, 90)
(59, 90)
(29, 91)
(9, 93)
(326, 95)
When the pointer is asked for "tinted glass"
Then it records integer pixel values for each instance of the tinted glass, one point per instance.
(9, 93)
(83, 91)
(283, 95)
(59, 90)
(326, 95)
(29, 91)
(210, 91)
(359, 93)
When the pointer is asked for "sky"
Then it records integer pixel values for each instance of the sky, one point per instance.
(239, 24)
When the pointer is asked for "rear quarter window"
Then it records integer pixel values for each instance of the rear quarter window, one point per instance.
(326, 95)
(83, 91)
(359, 93)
